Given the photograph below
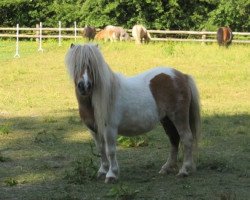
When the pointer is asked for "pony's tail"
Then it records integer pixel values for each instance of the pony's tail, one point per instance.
(194, 114)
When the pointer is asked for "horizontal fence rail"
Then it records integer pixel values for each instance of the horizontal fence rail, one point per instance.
(61, 33)
(168, 34)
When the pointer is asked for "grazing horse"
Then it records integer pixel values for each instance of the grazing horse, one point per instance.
(89, 32)
(140, 33)
(110, 104)
(101, 35)
(113, 33)
(117, 33)
(224, 36)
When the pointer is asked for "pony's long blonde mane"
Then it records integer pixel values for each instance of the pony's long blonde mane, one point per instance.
(104, 80)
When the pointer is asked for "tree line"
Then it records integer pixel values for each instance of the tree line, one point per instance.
(154, 14)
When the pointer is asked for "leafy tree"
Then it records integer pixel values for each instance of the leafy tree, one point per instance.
(160, 14)
(232, 13)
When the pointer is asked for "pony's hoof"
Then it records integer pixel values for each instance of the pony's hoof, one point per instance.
(182, 174)
(168, 169)
(163, 171)
(111, 180)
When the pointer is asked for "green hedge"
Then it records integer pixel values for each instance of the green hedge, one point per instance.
(154, 14)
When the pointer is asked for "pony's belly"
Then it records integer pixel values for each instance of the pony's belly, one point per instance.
(133, 126)
(134, 130)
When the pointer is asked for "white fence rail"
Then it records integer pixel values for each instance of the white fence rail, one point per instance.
(60, 33)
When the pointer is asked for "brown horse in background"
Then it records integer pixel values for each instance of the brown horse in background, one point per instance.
(112, 33)
(89, 32)
(224, 36)
(140, 34)
(101, 35)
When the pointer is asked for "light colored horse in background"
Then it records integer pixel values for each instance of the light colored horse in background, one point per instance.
(111, 104)
(117, 33)
(140, 34)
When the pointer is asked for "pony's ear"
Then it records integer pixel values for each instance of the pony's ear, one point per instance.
(72, 45)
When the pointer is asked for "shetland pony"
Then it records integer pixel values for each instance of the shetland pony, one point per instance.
(89, 32)
(113, 34)
(224, 36)
(111, 104)
(117, 33)
(101, 35)
(140, 34)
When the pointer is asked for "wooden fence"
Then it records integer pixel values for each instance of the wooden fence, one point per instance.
(157, 35)
(39, 33)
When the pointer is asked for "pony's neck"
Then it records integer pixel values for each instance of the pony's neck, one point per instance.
(86, 111)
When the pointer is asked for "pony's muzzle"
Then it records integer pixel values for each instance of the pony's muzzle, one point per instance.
(84, 88)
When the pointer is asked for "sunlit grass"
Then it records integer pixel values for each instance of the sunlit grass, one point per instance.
(41, 133)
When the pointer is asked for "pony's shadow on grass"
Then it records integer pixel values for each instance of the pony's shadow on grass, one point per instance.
(49, 145)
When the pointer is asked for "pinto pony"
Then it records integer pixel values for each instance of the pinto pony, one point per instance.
(89, 32)
(140, 34)
(224, 36)
(111, 104)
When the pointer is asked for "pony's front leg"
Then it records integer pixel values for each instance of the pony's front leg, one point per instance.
(100, 145)
(110, 145)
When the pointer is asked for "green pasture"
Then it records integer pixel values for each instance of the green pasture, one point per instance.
(47, 153)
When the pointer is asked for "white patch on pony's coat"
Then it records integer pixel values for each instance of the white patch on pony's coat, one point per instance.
(137, 110)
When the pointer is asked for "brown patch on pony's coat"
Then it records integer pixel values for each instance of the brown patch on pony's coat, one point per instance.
(172, 96)
(86, 111)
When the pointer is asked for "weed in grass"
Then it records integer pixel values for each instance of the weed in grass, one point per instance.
(74, 120)
(138, 141)
(3, 159)
(50, 120)
(227, 196)
(169, 49)
(122, 192)
(82, 171)
(4, 129)
(10, 182)
(220, 164)
(45, 137)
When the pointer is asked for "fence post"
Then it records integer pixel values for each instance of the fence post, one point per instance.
(17, 42)
(203, 37)
(60, 34)
(75, 30)
(37, 32)
(40, 38)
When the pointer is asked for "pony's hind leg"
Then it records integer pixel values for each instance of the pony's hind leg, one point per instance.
(186, 138)
(174, 138)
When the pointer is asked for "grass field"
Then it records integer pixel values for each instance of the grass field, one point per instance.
(46, 153)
